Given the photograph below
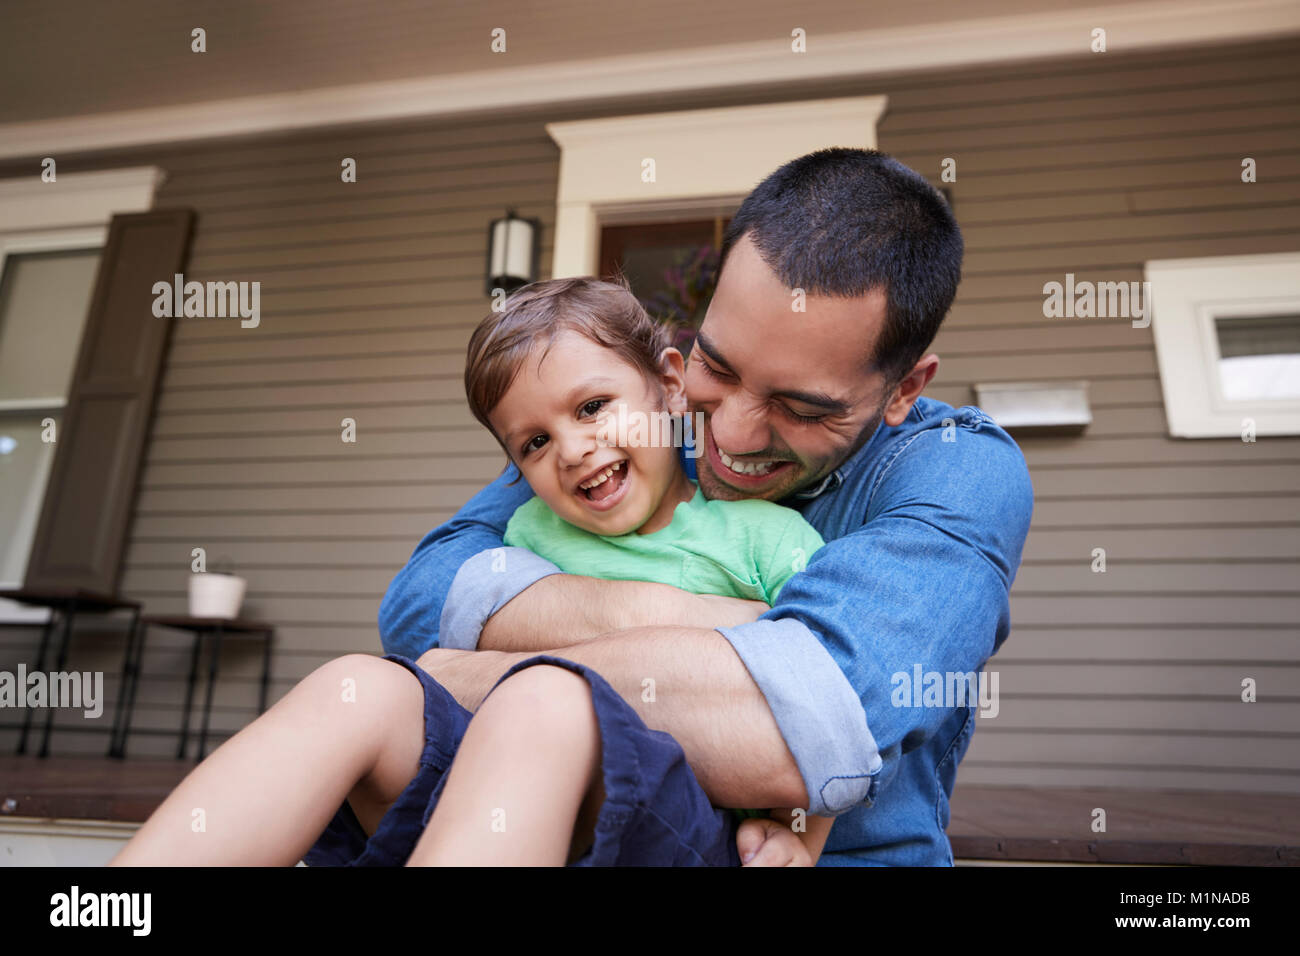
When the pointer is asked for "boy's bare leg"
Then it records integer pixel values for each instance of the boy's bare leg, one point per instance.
(524, 789)
(353, 729)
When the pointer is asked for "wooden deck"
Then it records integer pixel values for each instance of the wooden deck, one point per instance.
(988, 823)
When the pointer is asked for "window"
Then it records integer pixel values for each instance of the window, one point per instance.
(51, 234)
(1227, 334)
(45, 287)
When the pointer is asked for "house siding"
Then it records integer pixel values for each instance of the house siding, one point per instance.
(1089, 166)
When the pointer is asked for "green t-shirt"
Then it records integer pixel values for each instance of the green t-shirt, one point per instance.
(744, 549)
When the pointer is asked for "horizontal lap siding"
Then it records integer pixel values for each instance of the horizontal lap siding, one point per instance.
(1091, 166)
(369, 292)
(1131, 677)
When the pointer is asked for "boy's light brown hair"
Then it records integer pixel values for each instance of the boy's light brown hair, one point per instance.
(605, 312)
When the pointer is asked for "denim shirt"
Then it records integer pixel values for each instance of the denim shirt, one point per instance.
(924, 528)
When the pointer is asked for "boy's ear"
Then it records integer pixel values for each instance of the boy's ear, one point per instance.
(672, 375)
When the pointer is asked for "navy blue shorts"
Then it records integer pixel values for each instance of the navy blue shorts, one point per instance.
(655, 812)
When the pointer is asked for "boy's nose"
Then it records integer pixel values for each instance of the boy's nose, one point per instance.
(574, 447)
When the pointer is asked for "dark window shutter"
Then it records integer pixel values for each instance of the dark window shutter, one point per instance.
(82, 529)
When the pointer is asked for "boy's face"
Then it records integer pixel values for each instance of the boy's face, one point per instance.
(552, 420)
(787, 396)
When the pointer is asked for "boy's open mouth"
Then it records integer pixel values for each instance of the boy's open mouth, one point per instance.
(605, 486)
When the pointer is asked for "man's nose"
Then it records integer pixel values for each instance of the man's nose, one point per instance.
(739, 425)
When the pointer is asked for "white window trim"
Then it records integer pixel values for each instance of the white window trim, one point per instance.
(706, 162)
(1186, 297)
(73, 212)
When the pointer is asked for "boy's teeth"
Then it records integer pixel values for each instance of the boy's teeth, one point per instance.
(601, 478)
(745, 467)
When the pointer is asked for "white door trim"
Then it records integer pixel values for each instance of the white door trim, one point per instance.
(704, 162)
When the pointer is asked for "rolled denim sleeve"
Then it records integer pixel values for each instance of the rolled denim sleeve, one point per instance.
(412, 611)
(817, 710)
(483, 585)
(924, 581)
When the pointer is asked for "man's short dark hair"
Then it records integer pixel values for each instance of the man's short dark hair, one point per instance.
(842, 222)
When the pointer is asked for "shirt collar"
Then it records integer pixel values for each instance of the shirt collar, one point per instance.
(829, 483)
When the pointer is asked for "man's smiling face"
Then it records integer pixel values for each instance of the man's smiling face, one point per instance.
(786, 396)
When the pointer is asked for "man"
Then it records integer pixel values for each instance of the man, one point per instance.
(808, 370)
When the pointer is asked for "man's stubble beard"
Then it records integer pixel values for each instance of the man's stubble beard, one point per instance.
(714, 488)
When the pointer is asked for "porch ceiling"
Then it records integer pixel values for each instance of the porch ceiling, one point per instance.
(93, 57)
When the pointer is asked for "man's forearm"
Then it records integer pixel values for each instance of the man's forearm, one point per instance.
(687, 682)
(569, 609)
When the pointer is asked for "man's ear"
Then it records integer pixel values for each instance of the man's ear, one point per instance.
(672, 376)
(909, 390)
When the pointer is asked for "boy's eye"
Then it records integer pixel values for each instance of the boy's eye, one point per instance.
(534, 443)
(592, 407)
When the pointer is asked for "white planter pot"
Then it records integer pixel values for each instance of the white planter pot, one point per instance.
(216, 595)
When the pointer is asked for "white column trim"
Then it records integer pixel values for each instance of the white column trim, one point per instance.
(705, 162)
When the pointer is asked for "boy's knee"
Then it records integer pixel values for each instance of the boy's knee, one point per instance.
(362, 679)
(545, 692)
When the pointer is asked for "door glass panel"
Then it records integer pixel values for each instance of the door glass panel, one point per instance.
(671, 267)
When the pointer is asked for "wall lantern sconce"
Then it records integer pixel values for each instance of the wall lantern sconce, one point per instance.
(1037, 408)
(512, 252)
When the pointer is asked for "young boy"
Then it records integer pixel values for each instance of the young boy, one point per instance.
(555, 766)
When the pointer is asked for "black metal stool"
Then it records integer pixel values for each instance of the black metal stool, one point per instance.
(65, 605)
(199, 627)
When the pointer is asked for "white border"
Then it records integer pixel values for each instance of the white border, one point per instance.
(1186, 297)
(957, 43)
(706, 162)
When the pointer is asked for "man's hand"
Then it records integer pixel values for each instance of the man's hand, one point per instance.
(762, 841)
